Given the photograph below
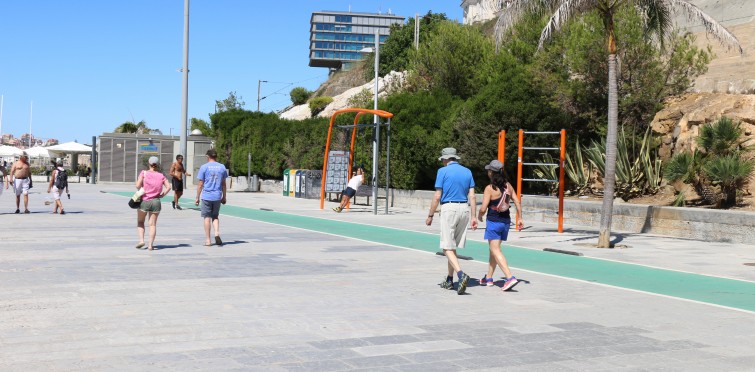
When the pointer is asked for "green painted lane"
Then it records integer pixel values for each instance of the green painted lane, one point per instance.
(714, 290)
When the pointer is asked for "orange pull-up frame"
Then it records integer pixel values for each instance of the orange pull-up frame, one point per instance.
(360, 112)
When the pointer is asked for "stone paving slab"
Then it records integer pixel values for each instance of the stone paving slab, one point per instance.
(77, 296)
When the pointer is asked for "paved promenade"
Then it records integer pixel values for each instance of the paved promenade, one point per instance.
(299, 288)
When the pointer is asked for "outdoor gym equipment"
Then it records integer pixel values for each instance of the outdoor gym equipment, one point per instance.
(375, 150)
(560, 165)
(520, 163)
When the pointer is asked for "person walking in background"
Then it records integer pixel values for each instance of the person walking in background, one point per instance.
(58, 183)
(454, 191)
(21, 181)
(356, 180)
(177, 172)
(155, 187)
(211, 193)
(495, 201)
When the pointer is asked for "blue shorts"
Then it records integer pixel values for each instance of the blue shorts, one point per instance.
(210, 209)
(350, 192)
(497, 230)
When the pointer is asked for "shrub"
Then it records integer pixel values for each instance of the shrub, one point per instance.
(719, 169)
(317, 104)
(300, 95)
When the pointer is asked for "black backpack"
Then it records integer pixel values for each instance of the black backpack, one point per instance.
(61, 179)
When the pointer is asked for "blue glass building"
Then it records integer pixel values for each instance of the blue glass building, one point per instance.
(336, 38)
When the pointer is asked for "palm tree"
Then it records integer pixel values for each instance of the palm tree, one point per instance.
(139, 128)
(657, 16)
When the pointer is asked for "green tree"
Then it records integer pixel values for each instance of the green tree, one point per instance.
(455, 58)
(657, 16)
(203, 126)
(138, 128)
(230, 103)
(300, 95)
(395, 53)
(421, 127)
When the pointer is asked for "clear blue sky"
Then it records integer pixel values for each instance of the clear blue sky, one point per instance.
(88, 66)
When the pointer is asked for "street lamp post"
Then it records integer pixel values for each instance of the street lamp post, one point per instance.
(376, 137)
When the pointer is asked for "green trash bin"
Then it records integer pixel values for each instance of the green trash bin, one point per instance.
(285, 181)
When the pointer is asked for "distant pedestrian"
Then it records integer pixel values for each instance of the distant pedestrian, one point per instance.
(58, 184)
(454, 191)
(211, 192)
(21, 181)
(155, 187)
(357, 178)
(495, 201)
(177, 172)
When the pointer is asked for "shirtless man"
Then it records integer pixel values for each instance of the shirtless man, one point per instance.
(177, 172)
(21, 178)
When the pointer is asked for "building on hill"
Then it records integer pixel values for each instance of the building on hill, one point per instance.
(337, 38)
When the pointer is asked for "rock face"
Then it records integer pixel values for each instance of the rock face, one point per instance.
(386, 85)
(679, 122)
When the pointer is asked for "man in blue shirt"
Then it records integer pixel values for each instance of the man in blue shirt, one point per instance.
(211, 192)
(454, 191)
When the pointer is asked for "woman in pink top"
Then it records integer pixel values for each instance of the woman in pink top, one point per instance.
(153, 183)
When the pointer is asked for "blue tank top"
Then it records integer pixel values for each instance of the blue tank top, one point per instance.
(496, 216)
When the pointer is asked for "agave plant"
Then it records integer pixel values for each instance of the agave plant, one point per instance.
(546, 171)
(577, 171)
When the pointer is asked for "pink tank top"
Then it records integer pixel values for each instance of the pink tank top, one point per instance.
(153, 184)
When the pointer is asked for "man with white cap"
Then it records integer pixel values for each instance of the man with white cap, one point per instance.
(454, 191)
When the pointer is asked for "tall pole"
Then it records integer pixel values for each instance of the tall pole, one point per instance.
(376, 137)
(416, 31)
(1, 119)
(259, 84)
(185, 90)
(31, 112)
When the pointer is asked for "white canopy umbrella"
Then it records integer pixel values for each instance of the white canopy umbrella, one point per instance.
(6, 150)
(70, 148)
(38, 152)
(74, 148)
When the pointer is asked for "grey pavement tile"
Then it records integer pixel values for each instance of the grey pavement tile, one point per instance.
(588, 352)
(577, 325)
(321, 365)
(313, 355)
(224, 352)
(377, 361)
(635, 348)
(434, 356)
(540, 337)
(582, 333)
(539, 357)
(541, 367)
(395, 339)
(621, 331)
(487, 362)
(27, 366)
(679, 345)
(272, 358)
(339, 343)
(440, 366)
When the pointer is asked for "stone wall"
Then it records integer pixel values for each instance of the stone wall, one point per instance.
(692, 223)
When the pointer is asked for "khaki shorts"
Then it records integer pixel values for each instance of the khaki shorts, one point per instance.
(454, 218)
(152, 206)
